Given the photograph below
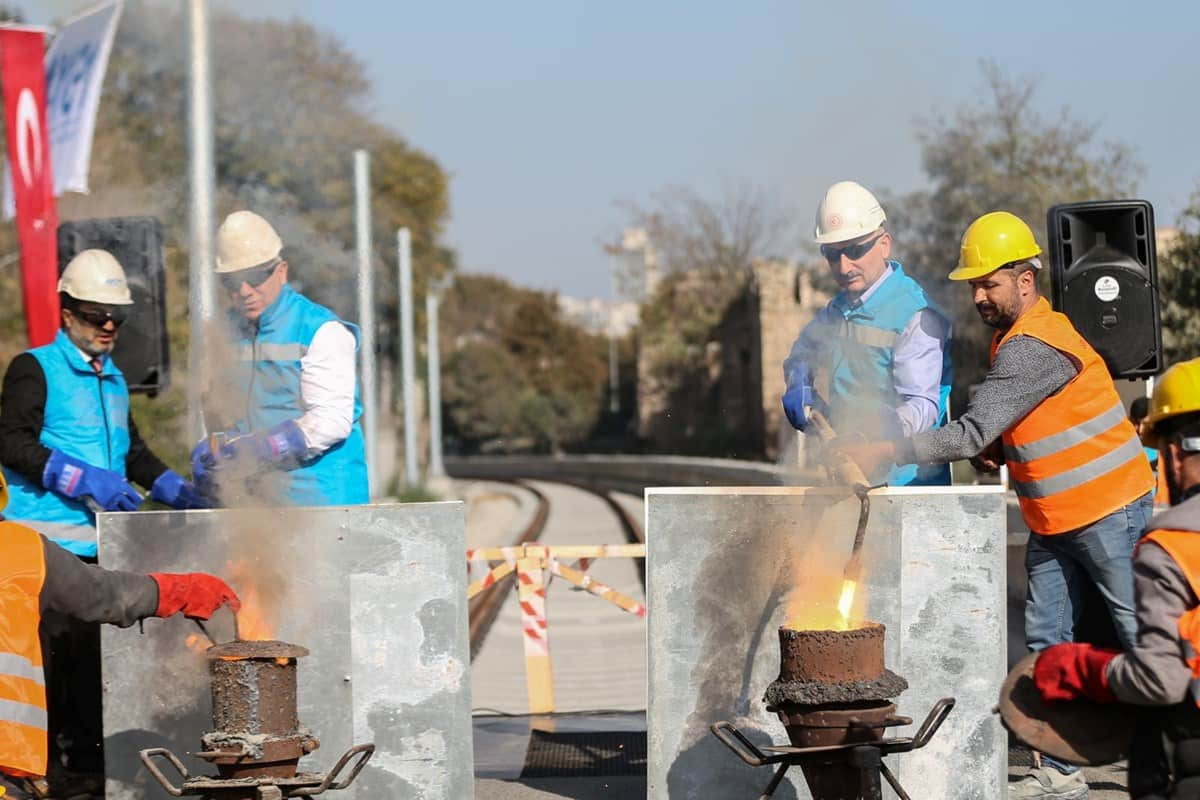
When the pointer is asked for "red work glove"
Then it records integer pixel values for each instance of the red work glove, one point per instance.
(195, 594)
(1071, 671)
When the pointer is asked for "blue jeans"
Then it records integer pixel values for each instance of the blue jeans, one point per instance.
(1060, 565)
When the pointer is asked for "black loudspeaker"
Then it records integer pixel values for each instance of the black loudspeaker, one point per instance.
(1104, 277)
(142, 351)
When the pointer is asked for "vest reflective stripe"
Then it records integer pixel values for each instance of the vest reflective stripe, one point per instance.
(867, 335)
(1074, 458)
(17, 666)
(1082, 474)
(272, 351)
(23, 740)
(1072, 436)
(23, 714)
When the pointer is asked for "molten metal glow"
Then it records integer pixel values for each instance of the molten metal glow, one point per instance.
(846, 601)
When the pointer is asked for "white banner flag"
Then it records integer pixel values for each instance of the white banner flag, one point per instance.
(75, 65)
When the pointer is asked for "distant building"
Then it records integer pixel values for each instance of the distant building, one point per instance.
(731, 407)
(605, 317)
(1165, 239)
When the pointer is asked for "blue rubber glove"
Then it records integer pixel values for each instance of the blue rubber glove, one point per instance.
(283, 443)
(799, 395)
(78, 480)
(280, 446)
(171, 489)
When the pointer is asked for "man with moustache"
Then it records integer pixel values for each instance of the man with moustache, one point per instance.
(875, 359)
(1048, 409)
(67, 441)
(296, 437)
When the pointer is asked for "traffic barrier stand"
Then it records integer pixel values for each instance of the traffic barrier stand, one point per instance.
(535, 566)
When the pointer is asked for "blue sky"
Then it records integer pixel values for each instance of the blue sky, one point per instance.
(547, 114)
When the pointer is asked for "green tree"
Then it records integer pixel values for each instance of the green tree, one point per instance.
(518, 376)
(998, 153)
(1179, 286)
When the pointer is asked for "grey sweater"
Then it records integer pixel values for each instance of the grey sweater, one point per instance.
(1026, 371)
(93, 594)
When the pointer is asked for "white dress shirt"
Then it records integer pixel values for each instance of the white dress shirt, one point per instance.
(327, 382)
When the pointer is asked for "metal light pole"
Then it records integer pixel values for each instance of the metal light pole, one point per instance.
(366, 310)
(202, 177)
(432, 301)
(407, 360)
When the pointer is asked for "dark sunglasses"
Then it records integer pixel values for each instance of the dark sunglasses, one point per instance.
(833, 254)
(255, 277)
(98, 319)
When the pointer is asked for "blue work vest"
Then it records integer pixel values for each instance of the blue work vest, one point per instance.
(267, 373)
(859, 349)
(87, 417)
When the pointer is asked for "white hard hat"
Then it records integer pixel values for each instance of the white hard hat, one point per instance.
(846, 212)
(95, 276)
(246, 240)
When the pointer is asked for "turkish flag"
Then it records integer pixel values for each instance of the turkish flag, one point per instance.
(23, 73)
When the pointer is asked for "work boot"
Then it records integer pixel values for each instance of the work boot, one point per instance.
(1047, 783)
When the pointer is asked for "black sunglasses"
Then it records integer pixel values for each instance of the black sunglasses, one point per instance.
(255, 277)
(98, 319)
(854, 252)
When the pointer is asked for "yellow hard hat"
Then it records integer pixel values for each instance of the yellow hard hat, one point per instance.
(1176, 392)
(990, 242)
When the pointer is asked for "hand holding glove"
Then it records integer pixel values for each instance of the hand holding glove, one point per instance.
(78, 480)
(1074, 670)
(196, 594)
(171, 489)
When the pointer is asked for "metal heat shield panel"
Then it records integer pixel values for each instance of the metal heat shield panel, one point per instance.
(720, 565)
(377, 593)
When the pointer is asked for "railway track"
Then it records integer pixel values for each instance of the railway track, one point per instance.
(484, 607)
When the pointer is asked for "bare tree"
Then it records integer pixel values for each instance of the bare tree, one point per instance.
(682, 231)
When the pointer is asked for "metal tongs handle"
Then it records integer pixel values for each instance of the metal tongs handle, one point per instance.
(742, 747)
(937, 715)
(364, 753)
(162, 752)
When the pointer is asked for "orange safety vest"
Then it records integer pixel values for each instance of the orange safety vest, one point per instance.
(1184, 549)
(23, 737)
(1075, 457)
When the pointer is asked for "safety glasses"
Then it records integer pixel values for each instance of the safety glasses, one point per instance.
(98, 318)
(833, 254)
(255, 277)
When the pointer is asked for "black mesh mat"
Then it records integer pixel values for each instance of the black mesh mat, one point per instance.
(576, 755)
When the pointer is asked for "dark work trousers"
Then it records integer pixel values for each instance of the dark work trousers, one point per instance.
(1164, 761)
(71, 652)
